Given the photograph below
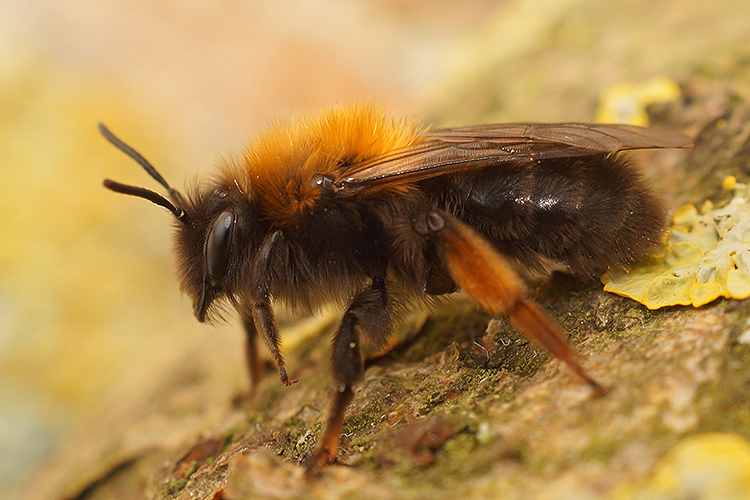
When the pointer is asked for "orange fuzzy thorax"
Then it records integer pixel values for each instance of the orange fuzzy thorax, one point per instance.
(279, 167)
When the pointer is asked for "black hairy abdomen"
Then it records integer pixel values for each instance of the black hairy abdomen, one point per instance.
(589, 213)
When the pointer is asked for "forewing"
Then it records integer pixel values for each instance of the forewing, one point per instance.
(596, 137)
(458, 149)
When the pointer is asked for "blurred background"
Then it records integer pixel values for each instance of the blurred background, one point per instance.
(89, 308)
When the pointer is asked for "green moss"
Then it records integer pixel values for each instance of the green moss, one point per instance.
(174, 486)
(296, 443)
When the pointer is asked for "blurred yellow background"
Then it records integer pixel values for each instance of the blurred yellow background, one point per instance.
(89, 306)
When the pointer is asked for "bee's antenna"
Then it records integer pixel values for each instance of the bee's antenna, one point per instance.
(175, 208)
(147, 194)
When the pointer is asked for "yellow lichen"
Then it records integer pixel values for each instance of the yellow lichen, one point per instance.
(626, 102)
(706, 256)
(705, 466)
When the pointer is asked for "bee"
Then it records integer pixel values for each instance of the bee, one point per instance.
(354, 207)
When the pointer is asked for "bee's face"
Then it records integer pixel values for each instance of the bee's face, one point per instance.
(216, 245)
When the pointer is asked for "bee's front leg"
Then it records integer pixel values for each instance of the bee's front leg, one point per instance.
(252, 357)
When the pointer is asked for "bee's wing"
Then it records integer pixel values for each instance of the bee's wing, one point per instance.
(457, 149)
(596, 137)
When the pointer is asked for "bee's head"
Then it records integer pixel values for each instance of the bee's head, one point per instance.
(216, 246)
(215, 234)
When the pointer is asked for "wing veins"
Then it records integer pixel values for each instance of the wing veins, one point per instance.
(464, 148)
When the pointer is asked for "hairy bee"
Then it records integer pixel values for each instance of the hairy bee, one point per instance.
(349, 205)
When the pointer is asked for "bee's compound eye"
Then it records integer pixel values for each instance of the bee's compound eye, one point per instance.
(218, 244)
